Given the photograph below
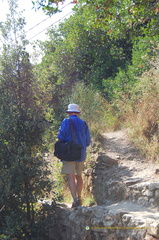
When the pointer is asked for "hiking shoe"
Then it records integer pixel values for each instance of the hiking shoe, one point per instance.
(75, 204)
(79, 202)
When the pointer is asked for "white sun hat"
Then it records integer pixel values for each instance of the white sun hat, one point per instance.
(73, 108)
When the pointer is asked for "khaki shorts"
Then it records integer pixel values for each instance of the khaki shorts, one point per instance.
(72, 167)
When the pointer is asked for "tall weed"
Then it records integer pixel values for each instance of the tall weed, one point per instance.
(94, 109)
(141, 114)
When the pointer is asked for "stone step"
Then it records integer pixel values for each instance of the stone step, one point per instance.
(143, 193)
(119, 221)
(112, 182)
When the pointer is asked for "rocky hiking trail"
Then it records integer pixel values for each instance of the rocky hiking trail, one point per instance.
(119, 147)
(125, 186)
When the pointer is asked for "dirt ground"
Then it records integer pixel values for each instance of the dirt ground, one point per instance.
(118, 146)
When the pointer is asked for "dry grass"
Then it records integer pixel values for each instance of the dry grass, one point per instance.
(142, 115)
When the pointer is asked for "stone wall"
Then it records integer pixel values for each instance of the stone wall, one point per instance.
(103, 223)
(117, 184)
(127, 207)
(145, 193)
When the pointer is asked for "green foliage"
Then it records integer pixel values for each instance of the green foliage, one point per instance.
(143, 54)
(56, 177)
(24, 171)
(94, 109)
(77, 52)
(89, 201)
(24, 174)
(83, 49)
(118, 18)
(107, 45)
(95, 56)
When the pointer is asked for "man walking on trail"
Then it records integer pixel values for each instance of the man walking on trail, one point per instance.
(82, 136)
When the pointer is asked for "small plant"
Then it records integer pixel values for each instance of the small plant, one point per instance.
(89, 201)
(56, 177)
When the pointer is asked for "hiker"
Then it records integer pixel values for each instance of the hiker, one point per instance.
(74, 169)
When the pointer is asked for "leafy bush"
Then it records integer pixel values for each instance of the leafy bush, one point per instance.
(143, 53)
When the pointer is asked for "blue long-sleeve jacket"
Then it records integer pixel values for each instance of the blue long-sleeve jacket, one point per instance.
(81, 133)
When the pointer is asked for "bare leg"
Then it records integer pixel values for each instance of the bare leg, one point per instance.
(79, 185)
(72, 186)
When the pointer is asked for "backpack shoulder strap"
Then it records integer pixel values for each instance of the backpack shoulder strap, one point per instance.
(72, 130)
